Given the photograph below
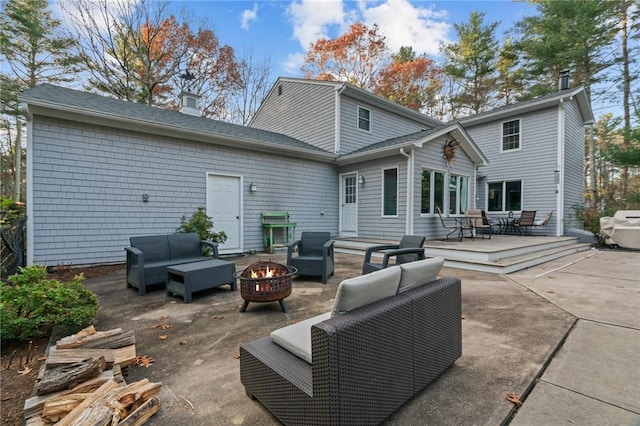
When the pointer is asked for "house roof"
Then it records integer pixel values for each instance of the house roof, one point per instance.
(59, 102)
(579, 94)
(355, 92)
(417, 140)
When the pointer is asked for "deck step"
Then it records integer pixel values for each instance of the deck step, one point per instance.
(500, 255)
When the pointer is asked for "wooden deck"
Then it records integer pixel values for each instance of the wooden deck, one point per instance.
(502, 254)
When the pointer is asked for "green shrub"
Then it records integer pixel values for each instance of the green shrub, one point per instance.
(202, 225)
(31, 304)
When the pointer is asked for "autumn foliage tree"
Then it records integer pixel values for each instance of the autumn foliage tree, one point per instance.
(137, 51)
(410, 80)
(361, 57)
(355, 57)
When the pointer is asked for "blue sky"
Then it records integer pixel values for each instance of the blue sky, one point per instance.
(282, 30)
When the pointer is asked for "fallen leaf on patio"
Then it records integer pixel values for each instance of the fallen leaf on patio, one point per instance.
(217, 317)
(182, 342)
(236, 355)
(162, 326)
(619, 286)
(238, 306)
(164, 317)
(512, 397)
(24, 372)
(550, 291)
(144, 361)
(462, 317)
(162, 337)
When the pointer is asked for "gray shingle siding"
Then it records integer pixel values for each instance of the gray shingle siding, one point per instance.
(88, 183)
(573, 165)
(533, 164)
(430, 158)
(384, 125)
(371, 223)
(302, 111)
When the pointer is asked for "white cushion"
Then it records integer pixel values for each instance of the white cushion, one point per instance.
(296, 338)
(365, 289)
(419, 272)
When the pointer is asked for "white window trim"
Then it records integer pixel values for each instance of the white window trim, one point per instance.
(519, 148)
(504, 195)
(358, 108)
(397, 169)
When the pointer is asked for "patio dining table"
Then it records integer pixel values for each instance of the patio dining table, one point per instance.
(508, 222)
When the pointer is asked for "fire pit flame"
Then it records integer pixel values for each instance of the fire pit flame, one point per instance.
(262, 273)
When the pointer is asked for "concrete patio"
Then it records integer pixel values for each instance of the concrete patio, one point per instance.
(563, 336)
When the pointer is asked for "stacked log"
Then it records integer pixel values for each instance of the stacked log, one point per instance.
(81, 383)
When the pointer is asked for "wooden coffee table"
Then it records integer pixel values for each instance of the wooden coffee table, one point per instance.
(188, 278)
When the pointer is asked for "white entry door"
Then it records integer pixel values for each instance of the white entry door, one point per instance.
(224, 206)
(349, 205)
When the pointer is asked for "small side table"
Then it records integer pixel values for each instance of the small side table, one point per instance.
(188, 278)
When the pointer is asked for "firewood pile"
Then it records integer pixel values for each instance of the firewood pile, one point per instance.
(82, 383)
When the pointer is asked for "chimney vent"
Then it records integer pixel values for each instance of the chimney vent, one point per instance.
(564, 80)
(189, 104)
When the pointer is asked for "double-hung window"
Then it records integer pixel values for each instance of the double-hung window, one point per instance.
(433, 191)
(504, 196)
(364, 119)
(390, 192)
(511, 135)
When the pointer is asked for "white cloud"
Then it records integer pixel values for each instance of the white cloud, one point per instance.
(248, 16)
(405, 24)
(311, 19)
(293, 63)
(400, 21)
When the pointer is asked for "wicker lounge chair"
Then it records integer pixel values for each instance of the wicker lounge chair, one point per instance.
(409, 250)
(364, 363)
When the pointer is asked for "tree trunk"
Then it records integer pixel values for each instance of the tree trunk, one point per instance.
(18, 161)
(624, 175)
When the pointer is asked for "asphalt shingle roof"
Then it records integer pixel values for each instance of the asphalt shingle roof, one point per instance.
(57, 97)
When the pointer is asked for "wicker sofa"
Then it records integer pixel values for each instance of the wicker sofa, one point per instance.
(149, 256)
(367, 357)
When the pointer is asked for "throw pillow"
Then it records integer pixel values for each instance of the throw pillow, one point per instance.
(365, 289)
(419, 272)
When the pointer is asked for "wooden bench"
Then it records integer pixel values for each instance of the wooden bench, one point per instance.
(277, 220)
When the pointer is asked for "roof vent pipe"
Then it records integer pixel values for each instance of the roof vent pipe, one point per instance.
(564, 80)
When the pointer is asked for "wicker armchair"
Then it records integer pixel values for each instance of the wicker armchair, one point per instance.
(315, 255)
(409, 250)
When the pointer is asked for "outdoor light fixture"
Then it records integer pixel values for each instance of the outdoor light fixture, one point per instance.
(556, 174)
(253, 187)
(361, 180)
(145, 198)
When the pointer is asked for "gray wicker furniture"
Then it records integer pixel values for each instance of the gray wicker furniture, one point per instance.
(315, 255)
(149, 256)
(188, 278)
(366, 363)
(408, 250)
